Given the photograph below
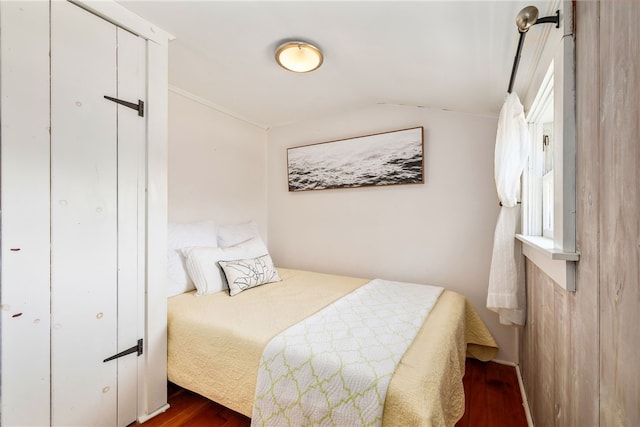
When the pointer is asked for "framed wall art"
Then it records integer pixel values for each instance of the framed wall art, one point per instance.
(388, 158)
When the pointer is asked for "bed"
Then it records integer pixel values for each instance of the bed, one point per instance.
(215, 344)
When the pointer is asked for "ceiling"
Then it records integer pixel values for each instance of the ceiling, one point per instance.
(451, 55)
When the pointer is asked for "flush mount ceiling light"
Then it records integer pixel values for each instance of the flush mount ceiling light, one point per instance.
(298, 56)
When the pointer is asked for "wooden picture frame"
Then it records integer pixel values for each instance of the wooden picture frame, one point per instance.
(388, 158)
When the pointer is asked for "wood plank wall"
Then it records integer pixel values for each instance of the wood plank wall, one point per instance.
(620, 213)
(578, 352)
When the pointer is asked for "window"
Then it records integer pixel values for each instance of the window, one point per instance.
(548, 183)
(547, 180)
(538, 190)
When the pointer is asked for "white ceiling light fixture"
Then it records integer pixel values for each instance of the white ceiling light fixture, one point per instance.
(298, 56)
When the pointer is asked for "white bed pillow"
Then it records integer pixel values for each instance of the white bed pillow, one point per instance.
(232, 234)
(203, 233)
(245, 274)
(203, 268)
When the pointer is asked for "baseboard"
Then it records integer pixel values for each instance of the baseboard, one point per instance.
(147, 417)
(525, 401)
(505, 362)
(523, 393)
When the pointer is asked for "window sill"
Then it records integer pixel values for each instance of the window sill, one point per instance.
(557, 264)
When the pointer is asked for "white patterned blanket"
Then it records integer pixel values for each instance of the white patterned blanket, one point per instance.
(334, 367)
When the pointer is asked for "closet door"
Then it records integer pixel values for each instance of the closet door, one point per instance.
(95, 229)
(131, 218)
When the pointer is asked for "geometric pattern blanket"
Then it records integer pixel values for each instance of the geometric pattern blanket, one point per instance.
(333, 368)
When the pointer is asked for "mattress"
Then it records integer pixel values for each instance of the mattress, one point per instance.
(215, 343)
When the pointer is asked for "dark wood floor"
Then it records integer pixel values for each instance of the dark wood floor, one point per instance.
(492, 396)
(492, 399)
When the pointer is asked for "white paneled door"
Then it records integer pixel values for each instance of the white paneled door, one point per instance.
(97, 196)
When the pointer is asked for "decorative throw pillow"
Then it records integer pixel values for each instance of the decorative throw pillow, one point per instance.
(244, 274)
(203, 268)
(201, 233)
(232, 234)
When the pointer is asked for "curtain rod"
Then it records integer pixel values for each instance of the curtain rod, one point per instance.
(527, 18)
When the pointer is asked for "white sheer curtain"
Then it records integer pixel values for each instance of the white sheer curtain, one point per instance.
(506, 295)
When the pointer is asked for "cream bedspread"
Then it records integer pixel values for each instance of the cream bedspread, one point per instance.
(215, 343)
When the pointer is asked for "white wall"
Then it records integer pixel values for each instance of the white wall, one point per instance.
(439, 232)
(217, 166)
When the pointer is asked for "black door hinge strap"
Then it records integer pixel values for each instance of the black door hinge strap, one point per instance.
(139, 107)
(135, 349)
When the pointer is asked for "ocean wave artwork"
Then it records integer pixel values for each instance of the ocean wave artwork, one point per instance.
(389, 158)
